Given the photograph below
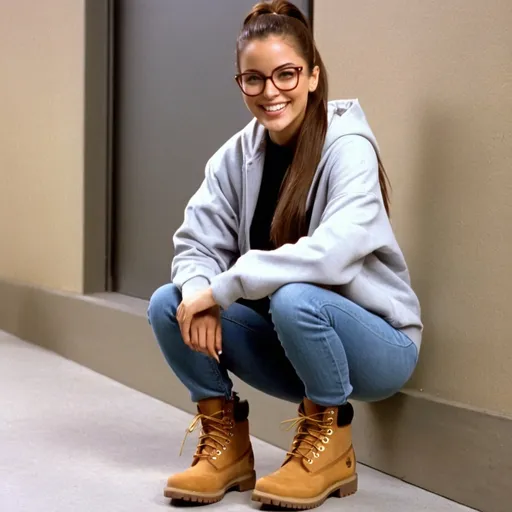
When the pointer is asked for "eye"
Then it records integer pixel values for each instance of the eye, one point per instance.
(286, 74)
(252, 79)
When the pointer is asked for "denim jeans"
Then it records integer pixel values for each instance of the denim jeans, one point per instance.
(315, 344)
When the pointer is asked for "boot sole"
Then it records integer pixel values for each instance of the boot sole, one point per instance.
(339, 490)
(240, 484)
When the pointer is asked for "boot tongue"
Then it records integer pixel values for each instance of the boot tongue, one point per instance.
(307, 408)
(212, 407)
(311, 408)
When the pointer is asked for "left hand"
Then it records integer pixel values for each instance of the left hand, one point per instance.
(191, 306)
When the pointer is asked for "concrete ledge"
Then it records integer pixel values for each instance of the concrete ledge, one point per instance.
(462, 454)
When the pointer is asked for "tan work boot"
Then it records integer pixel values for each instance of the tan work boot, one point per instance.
(224, 458)
(321, 463)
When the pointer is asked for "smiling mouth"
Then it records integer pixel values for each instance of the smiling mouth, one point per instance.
(278, 107)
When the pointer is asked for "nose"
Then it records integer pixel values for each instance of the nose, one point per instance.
(270, 91)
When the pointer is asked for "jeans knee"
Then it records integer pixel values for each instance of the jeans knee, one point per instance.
(286, 302)
(163, 304)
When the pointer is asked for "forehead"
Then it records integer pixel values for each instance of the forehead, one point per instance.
(267, 54)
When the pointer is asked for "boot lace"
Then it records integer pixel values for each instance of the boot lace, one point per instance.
(312, 435)
(214, 436)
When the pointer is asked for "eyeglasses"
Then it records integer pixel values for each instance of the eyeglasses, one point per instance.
(253, 83)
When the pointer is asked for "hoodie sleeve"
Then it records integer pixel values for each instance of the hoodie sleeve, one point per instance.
(206, 244)
(353, 225)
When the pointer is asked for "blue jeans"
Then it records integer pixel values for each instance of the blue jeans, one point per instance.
(316, 344)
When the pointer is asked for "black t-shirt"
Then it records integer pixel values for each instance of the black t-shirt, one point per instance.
(277, 160)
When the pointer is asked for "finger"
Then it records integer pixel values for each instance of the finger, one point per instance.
(194, 336)
(218, 338)
(210, 342)
(185, 328)
(187, 342)
(202, 338)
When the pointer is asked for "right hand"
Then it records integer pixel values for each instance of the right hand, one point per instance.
(206, 333)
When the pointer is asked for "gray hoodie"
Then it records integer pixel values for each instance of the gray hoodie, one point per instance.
(350, 247)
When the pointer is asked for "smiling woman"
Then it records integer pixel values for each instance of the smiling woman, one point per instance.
(286, 273)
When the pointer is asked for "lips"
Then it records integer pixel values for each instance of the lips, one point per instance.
(277, 107)
(274, 110)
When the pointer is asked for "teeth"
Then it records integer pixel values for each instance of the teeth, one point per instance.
(275, 108)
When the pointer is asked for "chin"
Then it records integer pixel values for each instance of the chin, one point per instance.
(277, 126)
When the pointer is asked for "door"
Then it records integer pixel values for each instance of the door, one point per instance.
(175, 103)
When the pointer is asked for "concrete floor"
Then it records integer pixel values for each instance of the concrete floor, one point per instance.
(72, 440)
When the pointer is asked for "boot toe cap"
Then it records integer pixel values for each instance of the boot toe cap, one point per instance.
(279, 486)
(193, 482)
(290, 481)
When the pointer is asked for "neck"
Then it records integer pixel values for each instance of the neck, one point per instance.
(290, 144)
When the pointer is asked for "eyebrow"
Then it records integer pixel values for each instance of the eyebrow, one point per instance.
(287, 65)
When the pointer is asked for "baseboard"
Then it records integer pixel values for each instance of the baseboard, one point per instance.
(462, 454)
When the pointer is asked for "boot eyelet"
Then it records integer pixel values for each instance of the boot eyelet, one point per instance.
(219, 452)
(325, 440)
(330, 421)
(331, 412)
(310, 461)
(329, 432)
(214, 458)
(231, 434)
(321, 448)
(316, 455)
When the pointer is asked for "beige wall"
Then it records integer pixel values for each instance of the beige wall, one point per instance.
(41, 142)
(435, 79)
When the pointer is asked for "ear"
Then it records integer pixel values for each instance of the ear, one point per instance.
(313, 79)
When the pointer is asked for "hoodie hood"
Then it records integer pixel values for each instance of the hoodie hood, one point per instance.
(346, 117)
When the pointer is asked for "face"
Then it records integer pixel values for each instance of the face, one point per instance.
(281, 112)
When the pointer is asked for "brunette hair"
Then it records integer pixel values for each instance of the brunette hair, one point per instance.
(282, 18)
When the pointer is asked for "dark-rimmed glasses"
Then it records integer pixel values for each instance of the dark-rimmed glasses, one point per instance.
(284, 79)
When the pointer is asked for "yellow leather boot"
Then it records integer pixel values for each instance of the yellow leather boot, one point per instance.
(224, 458)
(320, 464)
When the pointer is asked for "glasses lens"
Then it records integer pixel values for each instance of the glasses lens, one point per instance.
(252, 83)
(285, 79)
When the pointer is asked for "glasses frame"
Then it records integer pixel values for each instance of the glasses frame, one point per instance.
(239, 76)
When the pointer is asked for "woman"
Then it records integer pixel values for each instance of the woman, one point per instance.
(287, 274)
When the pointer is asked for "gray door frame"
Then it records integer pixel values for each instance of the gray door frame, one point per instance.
(98, 106)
